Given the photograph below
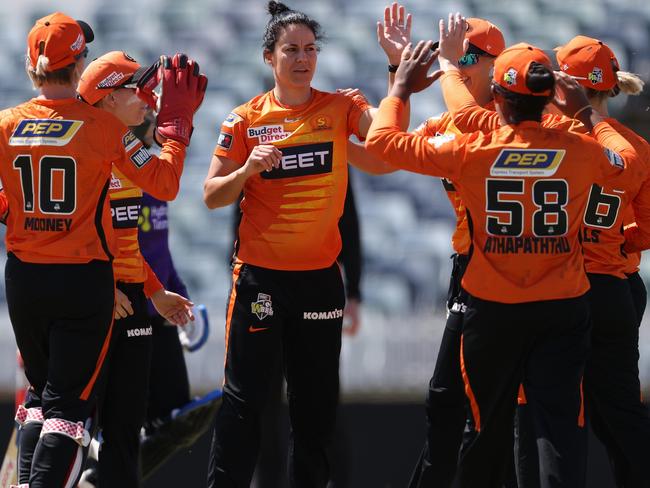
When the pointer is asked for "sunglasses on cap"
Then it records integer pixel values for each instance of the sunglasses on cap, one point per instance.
(82, 54)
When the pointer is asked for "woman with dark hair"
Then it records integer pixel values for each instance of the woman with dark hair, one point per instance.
(287, 151)
(527, 317)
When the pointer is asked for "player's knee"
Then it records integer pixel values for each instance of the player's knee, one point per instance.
(76, 431)
(29, 415)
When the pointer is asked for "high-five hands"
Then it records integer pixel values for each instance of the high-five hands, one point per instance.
(453, 43)
(395, 33)
(413, 76)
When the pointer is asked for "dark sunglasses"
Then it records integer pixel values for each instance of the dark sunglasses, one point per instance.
(82, 54)
(468, 59)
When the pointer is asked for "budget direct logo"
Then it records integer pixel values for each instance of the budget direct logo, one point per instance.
(267, 133)
(527, 162)
(44, 132)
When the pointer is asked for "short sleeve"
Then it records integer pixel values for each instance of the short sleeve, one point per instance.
(231, 142)
(357, 108)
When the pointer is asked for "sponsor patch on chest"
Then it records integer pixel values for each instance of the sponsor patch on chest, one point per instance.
(308, 159)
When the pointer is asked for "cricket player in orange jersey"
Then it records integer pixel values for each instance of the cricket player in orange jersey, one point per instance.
(527, 315)
(287, 151)
(446, 401)
(57, 155)
(110, 83)
(612, 389)
(607, 264)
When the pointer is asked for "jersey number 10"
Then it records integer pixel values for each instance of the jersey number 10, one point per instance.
(65, 202)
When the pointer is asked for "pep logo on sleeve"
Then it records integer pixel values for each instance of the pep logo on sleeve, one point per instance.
(129, 140)
(44, 132)
(527, 162)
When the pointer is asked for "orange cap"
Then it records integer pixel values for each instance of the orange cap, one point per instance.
(590, 61)
(485, 35)
(511, 68)
(108, 73)
(59, 38)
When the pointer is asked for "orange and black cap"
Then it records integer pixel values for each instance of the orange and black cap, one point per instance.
(59, 38)
(107, 73)
(484, 38)
(512, 65)
(590, 61)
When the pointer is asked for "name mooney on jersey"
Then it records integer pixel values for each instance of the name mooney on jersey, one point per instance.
(45, 224)
(527, 162)
(308, 159)
(527, 245)
(44, 132)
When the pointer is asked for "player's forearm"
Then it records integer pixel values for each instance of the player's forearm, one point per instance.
(220, 191)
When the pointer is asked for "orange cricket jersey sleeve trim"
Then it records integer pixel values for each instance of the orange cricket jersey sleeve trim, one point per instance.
(410, 151)
(152, 283)
(467, 115)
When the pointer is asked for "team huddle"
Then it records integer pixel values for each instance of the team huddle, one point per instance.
(551, 196)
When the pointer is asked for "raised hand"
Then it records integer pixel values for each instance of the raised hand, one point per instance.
(413, 76)
(452, 41)
(395, 33)
(183, 89)
(570, 98)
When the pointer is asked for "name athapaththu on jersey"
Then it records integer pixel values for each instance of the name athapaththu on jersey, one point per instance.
(44, 132)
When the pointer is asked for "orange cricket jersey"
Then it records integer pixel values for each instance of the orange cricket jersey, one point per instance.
(602, 235)
(440, 129)
(606, 213)
(525, 188)
(56, 165)
(290, 214)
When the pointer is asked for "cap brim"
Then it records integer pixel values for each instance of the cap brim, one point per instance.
(135, 77)
(89, 35)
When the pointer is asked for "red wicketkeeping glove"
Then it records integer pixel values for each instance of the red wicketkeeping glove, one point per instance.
(147, 84)
(183, 89)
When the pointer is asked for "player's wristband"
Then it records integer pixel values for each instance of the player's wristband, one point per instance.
(392, 68)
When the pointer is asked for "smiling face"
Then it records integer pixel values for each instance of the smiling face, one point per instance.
(478, 76)
(126, 106)
(294, 57)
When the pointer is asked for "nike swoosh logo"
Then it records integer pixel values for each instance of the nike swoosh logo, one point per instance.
(291, 121)
(256, 329)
